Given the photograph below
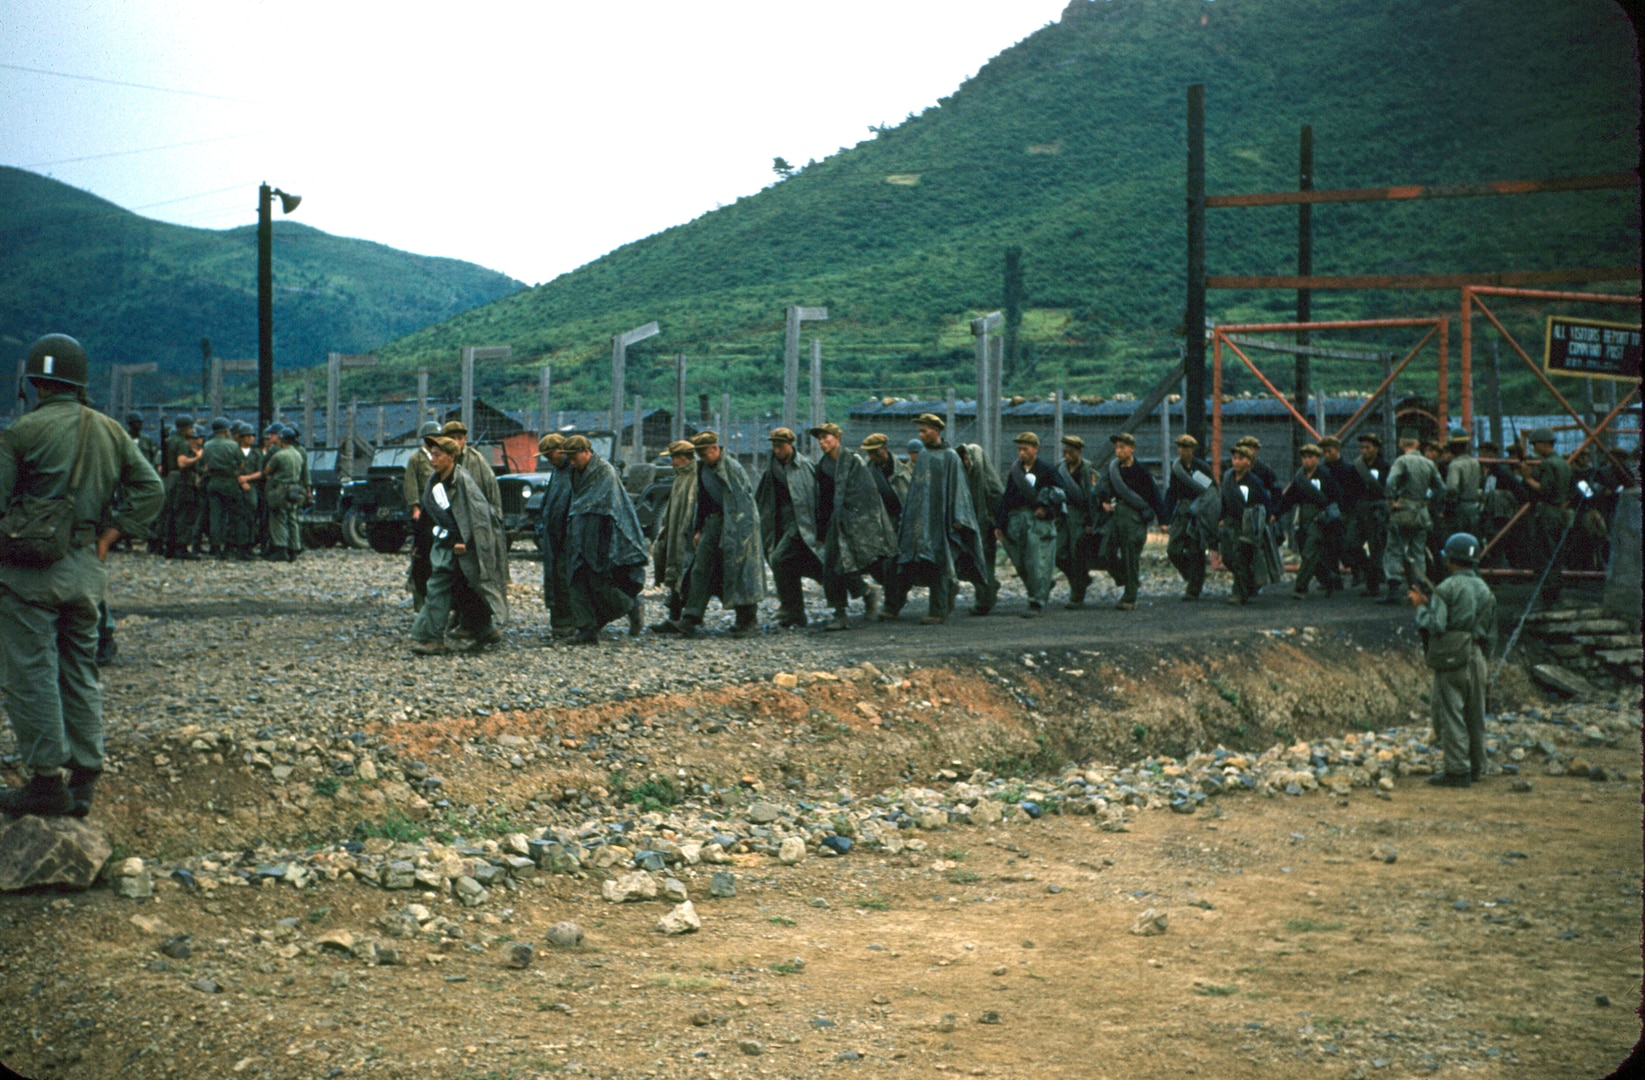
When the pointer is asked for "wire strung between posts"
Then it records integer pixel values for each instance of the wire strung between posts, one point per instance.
(1553, 561)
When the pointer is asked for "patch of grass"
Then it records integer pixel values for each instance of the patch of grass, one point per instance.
(844, 826)
(395, 827)
(1014, 794)
(781, 920)
(1206, 904)
(318, 913)
(1251, 970)
(873, 903)
(1521, 1024)
(964, 877)
(687, 982)
(787, 967)
(1139, 732)
(955, 855)
(327, 786)
(1309, 926)
(649, 795)
(1213, 990)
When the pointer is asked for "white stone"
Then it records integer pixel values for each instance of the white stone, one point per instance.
(791, 851)
(682, 920)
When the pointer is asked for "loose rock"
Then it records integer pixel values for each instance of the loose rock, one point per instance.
(56, 851)
(682, 920)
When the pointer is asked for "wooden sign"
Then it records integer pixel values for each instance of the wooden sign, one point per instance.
(1591, 349)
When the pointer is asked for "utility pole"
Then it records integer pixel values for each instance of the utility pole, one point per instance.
(308, 405)
(1305, 297)
(265, 296)
(819, 410)
(205, 369)
(639, 432)
(796, 316)
(676, 426)
(1193, 322)
(422, 399)
(472, 353)
(335, 363)
(725, 421)
(948, 417)
(1056, 419)
(619, 365)
(545, 386)
(987, 382)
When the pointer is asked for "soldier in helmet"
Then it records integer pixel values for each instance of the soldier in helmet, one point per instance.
(179, 524)
(418, 470)
(61, 459)
(282, 487)
(145, 445)
(1413, 482)
(1549, 485)
(1459, 621)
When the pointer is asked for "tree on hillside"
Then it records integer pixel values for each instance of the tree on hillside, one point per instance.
(782, 168)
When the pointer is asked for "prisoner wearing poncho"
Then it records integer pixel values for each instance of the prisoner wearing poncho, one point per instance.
(938, 539)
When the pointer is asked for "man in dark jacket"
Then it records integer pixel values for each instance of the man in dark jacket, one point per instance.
(937, 539)
(726, 560)
(1126, 492)
(856, 532)
(469, 556)
(788, 503)
(1549, 485)
(1076, 477)
(1191, 533)
(1314, 494)
(1026, 521)
(1241, 492)
(1367, 534)
(62, 457)
(605, 547)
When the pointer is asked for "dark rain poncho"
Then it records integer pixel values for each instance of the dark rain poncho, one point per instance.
(671, 551)
(551, 524)
(744, 581)
(939, 526)
(602, 531)
(776, 536)
(860, 532)
(485, 562)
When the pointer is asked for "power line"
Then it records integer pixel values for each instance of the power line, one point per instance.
(133, 85)
(143, 150)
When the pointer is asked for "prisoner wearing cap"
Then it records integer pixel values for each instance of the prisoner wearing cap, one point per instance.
(1371, 437)
(577, 444)
(781, 434)
(1330, 442)
(1073, 440)
(550, 443)
(446, 446)
(1252, 441)
(704, 438)
(1187, 440)
(875, 441)
(1310, 450)
(930, 420)
(454, 427)
(826, 429)
(1123, 437)
(680, 448)
(1027, 438)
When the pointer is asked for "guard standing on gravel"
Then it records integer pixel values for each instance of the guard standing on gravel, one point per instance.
(469, 556)
(282, 487)
(1318, 502)
(418, 469)
(605, 547)
(1459, 622)
(220, 477)
(1026, 521)
(726, 560)
(857, 532)
(788, 503)
(938, 539)
(71, 484)
(671, 550)
(1412, 482)
(1192, 508)
(145, 445)
(178, 525)
(1076, 478)
(1367, 539)
(1549, 485)
(1126, 492)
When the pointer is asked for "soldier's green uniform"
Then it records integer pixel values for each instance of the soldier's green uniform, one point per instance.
(282, 486)
(48, 617)
(1464, 486)
(1462, 604)
(290, 436)
(1412, 481)
(418, 470)
(1550, 489)
(220, 472)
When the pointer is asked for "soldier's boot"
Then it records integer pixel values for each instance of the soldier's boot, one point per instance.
(1395, 593)
(636, 617)
(82, 784)
(42, 796)
(838, 622)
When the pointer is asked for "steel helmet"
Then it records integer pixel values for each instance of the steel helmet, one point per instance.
(134, 417)
(429, 430)
(58, 357)
(1462, 548)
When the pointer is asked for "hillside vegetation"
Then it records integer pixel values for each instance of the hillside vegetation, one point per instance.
(1070, 145)
(135, 290)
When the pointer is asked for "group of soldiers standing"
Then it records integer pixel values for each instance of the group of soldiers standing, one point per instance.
(228, 491)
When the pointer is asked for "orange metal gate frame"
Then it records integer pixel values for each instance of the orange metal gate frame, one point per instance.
(1438, 326)
(1470, 300)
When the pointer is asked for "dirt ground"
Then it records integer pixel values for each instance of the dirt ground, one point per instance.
(1483, 946)
(1415, 932)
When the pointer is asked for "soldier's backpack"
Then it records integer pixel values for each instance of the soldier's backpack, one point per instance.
(37, 531)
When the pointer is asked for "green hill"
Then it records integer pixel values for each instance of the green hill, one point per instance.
(135, 290)
(1070, 145)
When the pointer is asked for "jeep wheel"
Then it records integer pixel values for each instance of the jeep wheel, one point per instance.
(354, 531)
(386, 537)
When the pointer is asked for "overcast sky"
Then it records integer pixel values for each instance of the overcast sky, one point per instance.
(527, 137)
